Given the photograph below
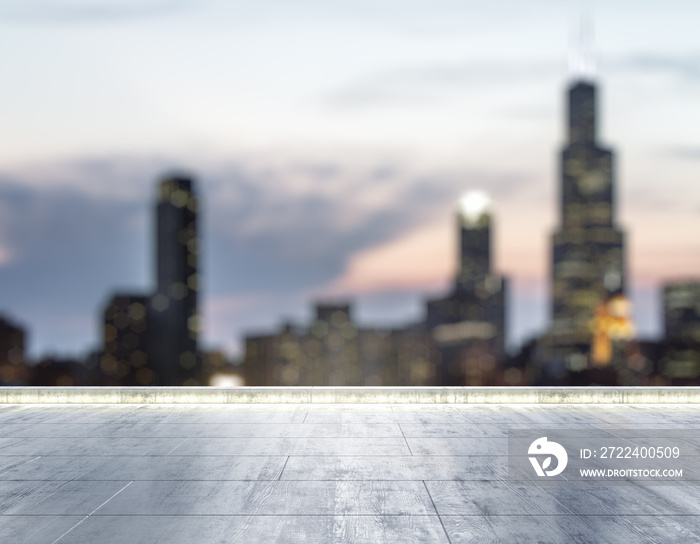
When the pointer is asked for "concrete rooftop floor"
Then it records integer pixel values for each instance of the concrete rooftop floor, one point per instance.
(301, 473)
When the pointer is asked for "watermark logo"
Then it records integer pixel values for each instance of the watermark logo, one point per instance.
(587, 454)
(541, 447)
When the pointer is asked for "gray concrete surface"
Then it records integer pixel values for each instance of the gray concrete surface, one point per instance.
(314, 473)
(349, 395)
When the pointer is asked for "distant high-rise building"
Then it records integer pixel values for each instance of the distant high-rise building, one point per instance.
(13, 369)
(679, 363)
(126, 357)
(588, 262)
(468, 326)
(173, 308)
(682, 312)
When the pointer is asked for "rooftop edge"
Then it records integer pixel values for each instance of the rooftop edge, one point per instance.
(350, 395)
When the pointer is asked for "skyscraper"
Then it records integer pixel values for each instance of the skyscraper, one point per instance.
(588, 265)
(680, 362)
(173, 308)
(127, 342)
(682, 312)
(13, 368)
(468, 326)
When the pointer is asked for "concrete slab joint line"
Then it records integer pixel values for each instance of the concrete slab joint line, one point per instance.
(442, 523)
(349, 395)
(91, 513)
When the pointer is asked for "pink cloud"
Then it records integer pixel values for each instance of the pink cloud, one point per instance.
(5, 256)
(422, 258)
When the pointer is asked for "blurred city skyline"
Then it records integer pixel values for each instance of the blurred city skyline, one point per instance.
(330, 144)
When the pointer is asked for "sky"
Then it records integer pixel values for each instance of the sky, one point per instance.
(330, 142)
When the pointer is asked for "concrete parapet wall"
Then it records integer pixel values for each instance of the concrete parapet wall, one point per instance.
(349, 395)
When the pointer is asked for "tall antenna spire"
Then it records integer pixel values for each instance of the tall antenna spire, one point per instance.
(581, 59)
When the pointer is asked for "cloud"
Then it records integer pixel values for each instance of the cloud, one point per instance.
(45, 226)
(5, 256)
(420, 258)
(116, 178)
(299, 225)
(68, 251)
(428, 84)
(87, 10)
(685, 152)
(424, 84)
(686, 66)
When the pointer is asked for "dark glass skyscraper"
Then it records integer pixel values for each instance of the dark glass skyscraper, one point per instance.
(588, 265)
(174, 306)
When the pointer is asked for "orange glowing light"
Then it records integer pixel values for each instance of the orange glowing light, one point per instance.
(612, 321)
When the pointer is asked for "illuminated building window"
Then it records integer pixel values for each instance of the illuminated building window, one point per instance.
(110, 333)
(160, 302)
(179, 198)
(188, 360)
(192, 282)
(137, 311)
(178, 290)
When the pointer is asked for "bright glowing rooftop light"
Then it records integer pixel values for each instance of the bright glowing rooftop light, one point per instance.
(473, 205)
